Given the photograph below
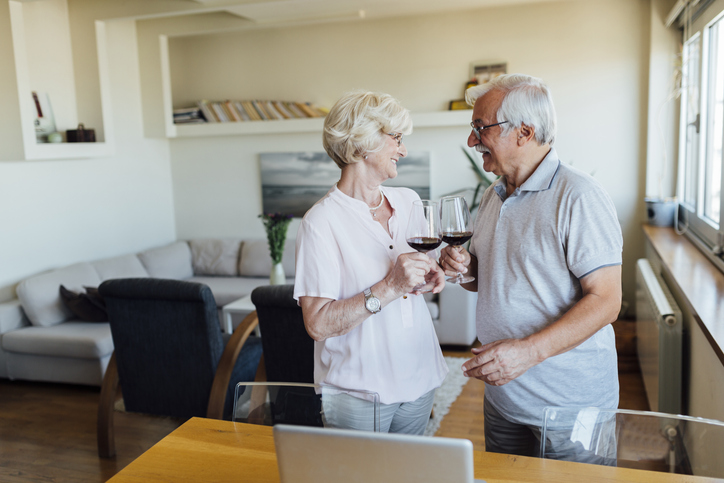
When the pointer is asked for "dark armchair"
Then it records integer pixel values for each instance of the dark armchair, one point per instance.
(288, 349)
(170, 356)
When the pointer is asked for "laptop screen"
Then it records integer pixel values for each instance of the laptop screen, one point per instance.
(320, 455)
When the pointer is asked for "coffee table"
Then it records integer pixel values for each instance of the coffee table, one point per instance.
(242, 307)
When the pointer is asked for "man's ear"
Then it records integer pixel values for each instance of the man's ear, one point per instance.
(525, 134)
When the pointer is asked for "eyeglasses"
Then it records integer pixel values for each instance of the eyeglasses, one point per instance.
(396, 136)
(477, 130)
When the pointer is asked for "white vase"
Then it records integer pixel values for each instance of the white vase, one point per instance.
(277, 276)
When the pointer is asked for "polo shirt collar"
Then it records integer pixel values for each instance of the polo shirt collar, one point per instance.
(542, 177)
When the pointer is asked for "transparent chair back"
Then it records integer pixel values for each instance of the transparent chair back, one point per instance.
(634, 439)
(270, 403)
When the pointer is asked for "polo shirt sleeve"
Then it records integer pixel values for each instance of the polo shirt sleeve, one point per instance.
(594, 233)
(317, 262)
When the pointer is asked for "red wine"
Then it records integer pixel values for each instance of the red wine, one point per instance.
(456, 238)
(424, 244)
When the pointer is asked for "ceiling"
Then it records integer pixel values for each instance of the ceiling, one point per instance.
(274, 12)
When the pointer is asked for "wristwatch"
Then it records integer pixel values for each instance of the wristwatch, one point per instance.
(372, 303)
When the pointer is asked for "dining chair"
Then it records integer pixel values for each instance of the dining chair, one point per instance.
(321, 405)
(634, 439)
(288, 349)
(170, 356)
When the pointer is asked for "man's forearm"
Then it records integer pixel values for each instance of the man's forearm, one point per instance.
(597, 308)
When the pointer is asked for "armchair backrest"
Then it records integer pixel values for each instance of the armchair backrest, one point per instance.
(168, 343)
(288, 349)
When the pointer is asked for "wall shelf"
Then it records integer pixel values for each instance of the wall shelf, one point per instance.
(419, 120)
(36, 71)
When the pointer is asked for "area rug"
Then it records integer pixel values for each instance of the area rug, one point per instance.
(446, 394)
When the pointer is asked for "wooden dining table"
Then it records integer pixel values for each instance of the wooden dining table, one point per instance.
(210, 450)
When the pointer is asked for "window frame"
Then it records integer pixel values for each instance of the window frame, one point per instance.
(692, 219)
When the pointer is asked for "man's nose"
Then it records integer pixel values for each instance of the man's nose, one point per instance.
(473, 139)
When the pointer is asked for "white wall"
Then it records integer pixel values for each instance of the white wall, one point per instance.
(594, 55)
(58, 212)
(663, 109)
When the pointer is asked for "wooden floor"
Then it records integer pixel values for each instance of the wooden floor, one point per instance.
(48, 431)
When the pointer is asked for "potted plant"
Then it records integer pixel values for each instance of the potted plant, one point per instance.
(276, 225)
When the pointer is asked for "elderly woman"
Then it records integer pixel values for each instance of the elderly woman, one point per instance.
(355, 274)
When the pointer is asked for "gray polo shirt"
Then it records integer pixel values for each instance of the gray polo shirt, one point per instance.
(532, 248)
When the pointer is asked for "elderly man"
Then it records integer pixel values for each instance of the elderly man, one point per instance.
(546, 254)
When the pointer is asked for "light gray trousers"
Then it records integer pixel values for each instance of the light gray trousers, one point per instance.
(349, 412)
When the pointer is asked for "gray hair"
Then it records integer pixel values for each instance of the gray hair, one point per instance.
(527, 101)
(357, 123)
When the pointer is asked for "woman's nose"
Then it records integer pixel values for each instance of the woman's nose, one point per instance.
(402, 150)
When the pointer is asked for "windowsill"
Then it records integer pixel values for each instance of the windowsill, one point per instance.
(696, 277)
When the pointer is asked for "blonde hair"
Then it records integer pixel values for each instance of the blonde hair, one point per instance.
(357, 122)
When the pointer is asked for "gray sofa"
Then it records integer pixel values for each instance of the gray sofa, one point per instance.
(41, 340)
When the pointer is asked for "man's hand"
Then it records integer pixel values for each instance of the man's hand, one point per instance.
(454, 260)
(501, 361)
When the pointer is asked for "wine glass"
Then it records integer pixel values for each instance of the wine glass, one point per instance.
(457, 228)
(423, 230)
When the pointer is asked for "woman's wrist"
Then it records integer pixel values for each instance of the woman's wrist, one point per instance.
(385, 291)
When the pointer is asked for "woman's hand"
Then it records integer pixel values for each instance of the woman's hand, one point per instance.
(434, 281)
(413, 269)
(454, 260)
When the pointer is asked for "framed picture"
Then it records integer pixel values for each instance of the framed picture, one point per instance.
(292, 182)
(44, 119)
(484, 71)
(458, 105)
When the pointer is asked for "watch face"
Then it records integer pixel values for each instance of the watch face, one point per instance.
(373, 304)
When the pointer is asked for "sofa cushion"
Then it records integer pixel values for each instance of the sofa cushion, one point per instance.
(40, 295)
(215, 256)
(228, 289)
(172, 261)
(84, 340)
(255, 260)
(125, 266)
(87, 306)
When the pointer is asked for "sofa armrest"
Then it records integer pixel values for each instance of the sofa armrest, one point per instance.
(12, 316)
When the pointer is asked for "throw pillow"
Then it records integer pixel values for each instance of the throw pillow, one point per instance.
(88, 306)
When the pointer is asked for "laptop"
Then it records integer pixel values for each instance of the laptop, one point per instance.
(326, 455)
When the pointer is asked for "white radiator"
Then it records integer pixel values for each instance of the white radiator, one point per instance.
(658, 340)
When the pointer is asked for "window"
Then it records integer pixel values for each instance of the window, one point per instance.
(701, 143)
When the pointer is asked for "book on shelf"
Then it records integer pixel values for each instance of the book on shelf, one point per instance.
(250, 111)
(295, 110)
(247, 110)
(219, 111)
(231, 111)
(309, 109)
(188, 115)
(207, 111)
(272, 110)
(283, 110)
(242, 112)
(260, 109)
